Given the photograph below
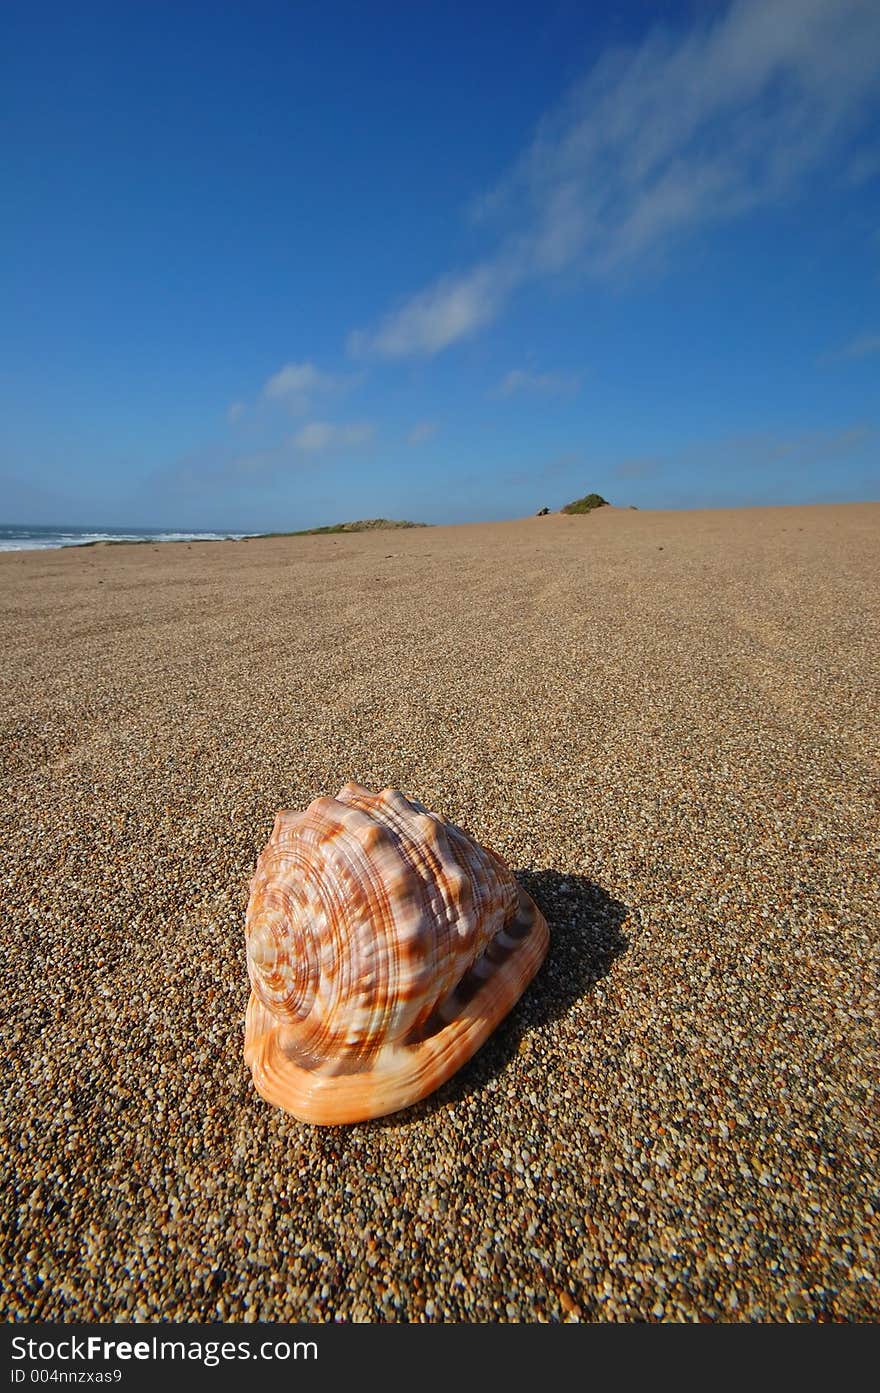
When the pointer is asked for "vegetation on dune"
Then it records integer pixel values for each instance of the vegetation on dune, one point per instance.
(363, 525)
(586, 504)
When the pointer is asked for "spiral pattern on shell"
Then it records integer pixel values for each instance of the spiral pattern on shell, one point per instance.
(371, 923)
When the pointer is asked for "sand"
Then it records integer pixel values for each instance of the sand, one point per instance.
(667, 723)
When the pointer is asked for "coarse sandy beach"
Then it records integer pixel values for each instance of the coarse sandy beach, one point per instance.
(669, 726)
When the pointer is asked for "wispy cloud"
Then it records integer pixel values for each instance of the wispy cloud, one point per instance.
(781, 455)
(551, 384)
(860, 347)
(297, 388)
(202, 472)
(637, 468)
(810, 447)
(563, 466)
(863, 167)
(297, 384)
(319, 437)
(451, 309)
(657, 140)
(421, 432)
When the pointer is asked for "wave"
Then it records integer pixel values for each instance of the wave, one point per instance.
(50, 538)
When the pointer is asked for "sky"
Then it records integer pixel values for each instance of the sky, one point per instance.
(270, 266)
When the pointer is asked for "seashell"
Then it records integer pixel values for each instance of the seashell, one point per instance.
(383, 945)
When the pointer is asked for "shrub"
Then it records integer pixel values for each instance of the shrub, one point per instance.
(586, 504)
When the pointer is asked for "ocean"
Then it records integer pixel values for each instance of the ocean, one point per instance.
(21, 538)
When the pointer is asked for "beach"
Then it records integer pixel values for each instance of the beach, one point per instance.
(667, 723)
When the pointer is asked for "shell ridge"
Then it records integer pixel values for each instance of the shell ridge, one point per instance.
(396, 813)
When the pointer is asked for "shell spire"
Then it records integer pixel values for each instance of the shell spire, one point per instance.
(384, 945)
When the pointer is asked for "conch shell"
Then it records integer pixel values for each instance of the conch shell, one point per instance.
(384, 945)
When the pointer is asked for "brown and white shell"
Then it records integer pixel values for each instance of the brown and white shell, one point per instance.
(384, 945)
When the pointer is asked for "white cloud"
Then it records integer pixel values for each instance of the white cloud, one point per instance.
(296, 385)
(451, 309)
(421, 431)
(540, 383)
(320, 436)
(683, 130)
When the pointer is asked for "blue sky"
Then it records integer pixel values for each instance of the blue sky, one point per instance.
(277, 265)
